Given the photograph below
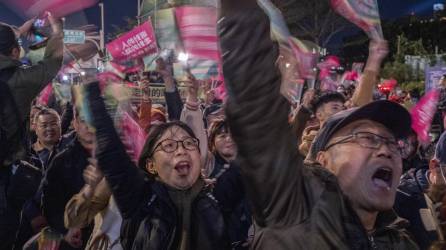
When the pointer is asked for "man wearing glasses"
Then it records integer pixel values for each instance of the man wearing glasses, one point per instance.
(345, 201)
(410, 196)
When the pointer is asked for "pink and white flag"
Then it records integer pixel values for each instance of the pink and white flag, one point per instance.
(58, 8)
(134, 44)
(198, 31)
(423, 114)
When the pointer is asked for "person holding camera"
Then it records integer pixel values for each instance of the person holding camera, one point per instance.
(19, 85)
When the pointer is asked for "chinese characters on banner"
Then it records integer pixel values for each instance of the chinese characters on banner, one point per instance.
(137, 43)
(198, 31)
(58, 8)
(363, 13)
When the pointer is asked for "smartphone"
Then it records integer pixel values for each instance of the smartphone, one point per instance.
(40, 32)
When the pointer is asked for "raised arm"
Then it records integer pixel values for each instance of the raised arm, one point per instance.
(193, 117)
(125, 180)
(258, 114)
(27, 83)
(363, 94)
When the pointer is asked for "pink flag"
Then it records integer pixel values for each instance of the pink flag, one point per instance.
(133, 136)
(137, 43)
(198, 31)
(326, 66)
(363, 13)
(58, 8)
(306, 59)
(44, 96)
(423, 114)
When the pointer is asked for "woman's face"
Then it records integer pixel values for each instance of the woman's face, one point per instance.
(225, 146)
(176, 159)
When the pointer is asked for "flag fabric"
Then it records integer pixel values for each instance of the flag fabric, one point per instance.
(306, 59)
(58, 8)
(423, 115)
(81, 103)
(44, 96)
(62, 92)
(132, 135)
(326, 66)
(134, 44)
(167, 34)
(149, 6)
(198, 32)
(279, 29)
(363, 13)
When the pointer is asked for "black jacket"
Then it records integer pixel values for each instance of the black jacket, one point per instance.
(294, 206)
(63, 179)
(409, 200)
(149, 215)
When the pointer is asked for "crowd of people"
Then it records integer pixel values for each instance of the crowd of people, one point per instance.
(341, 170)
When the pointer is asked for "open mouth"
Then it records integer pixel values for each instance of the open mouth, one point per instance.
(383, 178)
(183, 167)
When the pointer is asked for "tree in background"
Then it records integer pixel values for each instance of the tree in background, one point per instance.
(312, 20)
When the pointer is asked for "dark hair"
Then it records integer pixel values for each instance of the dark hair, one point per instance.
(156, 132)
(216, 128)
(8, 40)
(326, 97)
(46, 111)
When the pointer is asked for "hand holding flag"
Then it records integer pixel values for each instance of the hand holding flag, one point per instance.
(363, 13)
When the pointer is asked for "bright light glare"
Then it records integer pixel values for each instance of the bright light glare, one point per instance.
(65, 77)
(83, 73)
(183, 57)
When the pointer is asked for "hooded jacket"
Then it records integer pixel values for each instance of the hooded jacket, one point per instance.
(25, 83)
(294, 206)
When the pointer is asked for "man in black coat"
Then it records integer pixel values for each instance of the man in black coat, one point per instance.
(64, 179)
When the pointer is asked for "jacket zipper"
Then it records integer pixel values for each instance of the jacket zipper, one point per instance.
(372, 242)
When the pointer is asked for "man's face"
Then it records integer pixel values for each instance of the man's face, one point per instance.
(328, 109)
(48, 129)
(368, 177)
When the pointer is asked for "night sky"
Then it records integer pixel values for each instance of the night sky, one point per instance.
(115, 10)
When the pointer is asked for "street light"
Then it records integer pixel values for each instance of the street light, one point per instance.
(101, 32)
(139, 12)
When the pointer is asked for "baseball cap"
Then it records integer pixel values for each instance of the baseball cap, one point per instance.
(392, 115)
(440, 149)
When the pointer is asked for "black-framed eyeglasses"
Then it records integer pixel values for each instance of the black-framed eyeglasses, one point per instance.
(170, 146)
(369, 140)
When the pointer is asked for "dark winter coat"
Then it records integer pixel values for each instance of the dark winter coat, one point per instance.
(149, 214)
(409, 200)
(294, 206)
